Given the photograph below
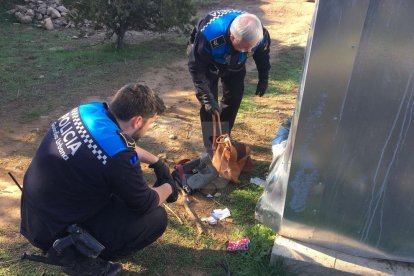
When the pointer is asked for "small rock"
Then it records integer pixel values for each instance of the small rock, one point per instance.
(48, 24)
(11, 11)
(42, 10)
(172, 136)
(62, 9)
(60, 22)
(41, 77)
(30, 13)
(53, 13)
(23, 18)
(20, 8)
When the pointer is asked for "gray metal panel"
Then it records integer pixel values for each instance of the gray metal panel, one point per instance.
(350, 184)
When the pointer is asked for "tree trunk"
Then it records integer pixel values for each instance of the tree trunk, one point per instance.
(120, 33)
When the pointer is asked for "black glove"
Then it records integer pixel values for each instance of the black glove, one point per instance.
(261, 87)
(208, 101)
(211, 107)
(161, 170)
(174, 195)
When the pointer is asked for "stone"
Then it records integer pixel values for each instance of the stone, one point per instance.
(39, 16)
(42, 10)
(53, 13)
(48, 24)
(30, 13)
(23, 18)
(20, 8)
(60, 22)
(62, 9)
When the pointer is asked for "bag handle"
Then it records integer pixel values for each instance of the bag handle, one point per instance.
(215, 115)
(215, 138)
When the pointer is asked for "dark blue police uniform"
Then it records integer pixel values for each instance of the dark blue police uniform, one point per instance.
(213, 57)
(87, 172)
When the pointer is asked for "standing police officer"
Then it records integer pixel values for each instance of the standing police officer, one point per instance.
(87, 173)
(222, 42)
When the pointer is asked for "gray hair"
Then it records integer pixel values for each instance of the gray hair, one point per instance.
(247, 28)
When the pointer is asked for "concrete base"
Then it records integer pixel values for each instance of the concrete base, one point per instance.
(306, 259)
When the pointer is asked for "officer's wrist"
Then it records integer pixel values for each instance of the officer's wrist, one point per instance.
(155, 163)
(169, 188)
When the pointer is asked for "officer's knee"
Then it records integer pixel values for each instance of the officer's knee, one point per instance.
(161, 219)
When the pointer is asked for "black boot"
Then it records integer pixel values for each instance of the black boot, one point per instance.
(91, 267)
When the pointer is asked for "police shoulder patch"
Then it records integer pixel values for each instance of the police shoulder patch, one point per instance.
(218, 41)
(129, 142)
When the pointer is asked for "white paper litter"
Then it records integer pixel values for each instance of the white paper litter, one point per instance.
(257, 181)
(220, 214)
(210, 220)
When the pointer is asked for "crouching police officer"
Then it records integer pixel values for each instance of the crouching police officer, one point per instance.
(84, 192)
(221, 44)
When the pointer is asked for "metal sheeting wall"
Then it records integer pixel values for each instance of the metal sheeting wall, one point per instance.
(350, 183)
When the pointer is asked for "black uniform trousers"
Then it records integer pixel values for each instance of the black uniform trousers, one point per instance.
(233, 89)
(123, 231)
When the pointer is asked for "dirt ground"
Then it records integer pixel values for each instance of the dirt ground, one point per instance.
(288, 23)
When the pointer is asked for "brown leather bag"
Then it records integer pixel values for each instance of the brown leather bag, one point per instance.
(229, 158)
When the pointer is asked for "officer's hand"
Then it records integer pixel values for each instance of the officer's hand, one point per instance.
(211, 107)
(261, 87)
(174, 195)
(161, 170)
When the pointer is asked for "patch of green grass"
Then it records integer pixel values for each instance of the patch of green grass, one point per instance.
(39, 69)
(285, 73)
(256, 261)
(10, 264)
(6, 5)
(248, 104)
(284, 78)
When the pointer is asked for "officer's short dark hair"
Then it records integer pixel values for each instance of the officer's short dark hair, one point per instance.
(136, 99)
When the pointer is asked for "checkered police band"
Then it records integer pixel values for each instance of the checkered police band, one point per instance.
(217, 14)
(87, 138)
